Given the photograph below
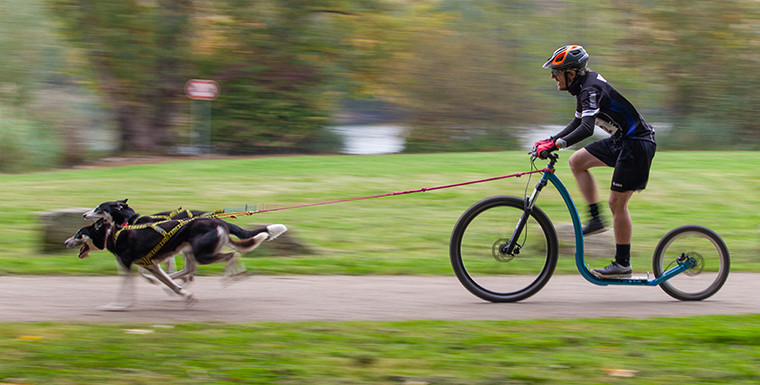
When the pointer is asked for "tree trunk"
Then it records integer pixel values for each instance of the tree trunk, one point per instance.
(137, 132)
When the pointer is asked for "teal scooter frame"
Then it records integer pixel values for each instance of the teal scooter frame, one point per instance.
(580, 262)
(693, 251)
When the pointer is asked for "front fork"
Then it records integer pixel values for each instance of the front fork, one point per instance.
(513, 247)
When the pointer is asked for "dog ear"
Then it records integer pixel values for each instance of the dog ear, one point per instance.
(124, 201)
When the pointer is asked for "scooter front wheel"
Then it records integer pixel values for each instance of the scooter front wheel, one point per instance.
(480, 257)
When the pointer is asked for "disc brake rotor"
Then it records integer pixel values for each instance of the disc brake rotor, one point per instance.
(498, 254)
(699, 264)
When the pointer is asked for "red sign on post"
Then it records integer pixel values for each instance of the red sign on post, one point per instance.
(202, 89)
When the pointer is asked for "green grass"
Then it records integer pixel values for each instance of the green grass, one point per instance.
(405, 234)
(397, 235)
(697, 350)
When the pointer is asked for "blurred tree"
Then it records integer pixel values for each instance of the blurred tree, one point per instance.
(463, 71)
(279, 63)
(470, 71)
(17, 29)
(27, 69)
(706, 54)
(286, 65)
(458, 76)
(137, 58)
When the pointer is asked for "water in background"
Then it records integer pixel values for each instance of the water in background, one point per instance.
(389, 139)
(371, 139)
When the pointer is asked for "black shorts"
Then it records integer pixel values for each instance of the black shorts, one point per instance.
(631, 159)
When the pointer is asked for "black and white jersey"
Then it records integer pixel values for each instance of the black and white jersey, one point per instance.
(609, 109)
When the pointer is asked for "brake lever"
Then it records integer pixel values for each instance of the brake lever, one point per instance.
(533, 154)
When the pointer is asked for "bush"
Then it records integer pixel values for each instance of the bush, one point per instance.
(27, 146)
(693, 134)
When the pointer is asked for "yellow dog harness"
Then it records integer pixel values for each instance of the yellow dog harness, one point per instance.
(146, 259)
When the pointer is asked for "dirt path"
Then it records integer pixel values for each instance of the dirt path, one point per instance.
(350, 298)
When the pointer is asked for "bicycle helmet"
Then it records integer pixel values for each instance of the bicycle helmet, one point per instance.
(568, 57)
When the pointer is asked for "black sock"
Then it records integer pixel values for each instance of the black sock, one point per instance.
(593, 209)
(623, 255)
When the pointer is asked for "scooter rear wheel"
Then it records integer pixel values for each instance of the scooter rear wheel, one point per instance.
(705, 249)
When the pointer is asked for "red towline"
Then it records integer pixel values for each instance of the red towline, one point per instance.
(424, 189)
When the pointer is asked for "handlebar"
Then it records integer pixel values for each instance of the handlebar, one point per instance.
(553, 157)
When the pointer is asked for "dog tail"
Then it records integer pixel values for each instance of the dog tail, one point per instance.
(243, 233)
(273, 231)
(251, 239)
(243, 246)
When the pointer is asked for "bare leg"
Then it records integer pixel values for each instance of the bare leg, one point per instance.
(621, 218)
(580, 163)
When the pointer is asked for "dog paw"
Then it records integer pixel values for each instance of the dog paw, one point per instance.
(229, 279)
(275, 231)
(115, 306)
(190, 300)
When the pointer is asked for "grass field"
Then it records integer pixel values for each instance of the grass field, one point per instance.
(698, 350)
(396, 235)
(405, 234)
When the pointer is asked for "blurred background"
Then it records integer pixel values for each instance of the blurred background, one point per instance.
(86, 79)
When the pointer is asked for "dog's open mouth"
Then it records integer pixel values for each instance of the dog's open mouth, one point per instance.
(84, 252)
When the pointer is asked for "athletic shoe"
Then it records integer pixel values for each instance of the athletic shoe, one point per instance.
(614, 270)
(594, 226)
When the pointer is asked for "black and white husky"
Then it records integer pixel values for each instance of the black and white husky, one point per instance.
(147, 245)
(121, 214)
